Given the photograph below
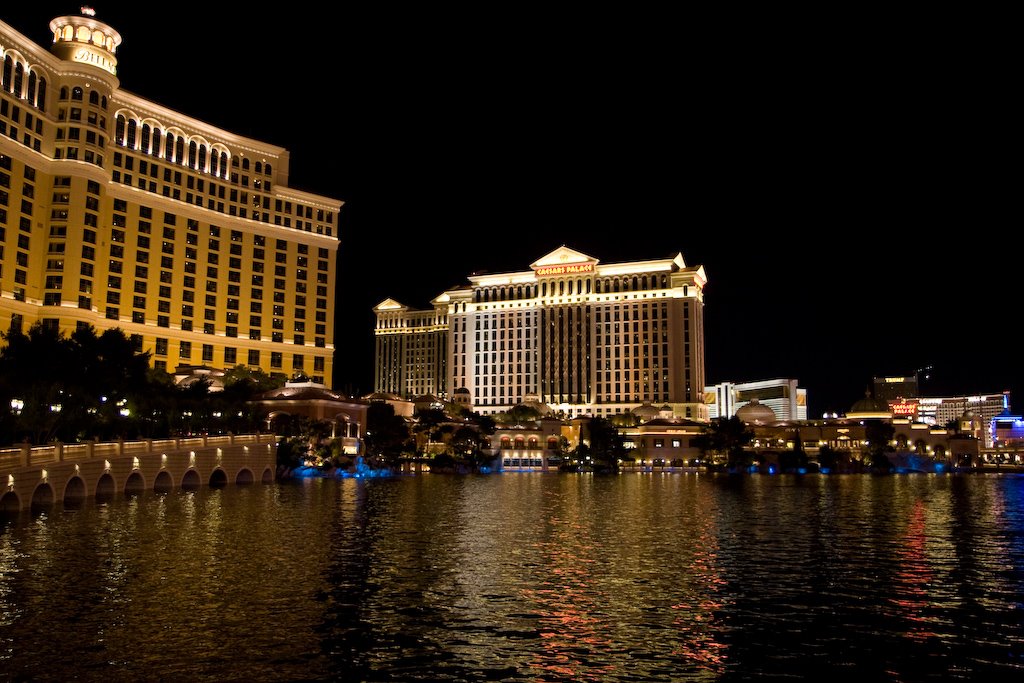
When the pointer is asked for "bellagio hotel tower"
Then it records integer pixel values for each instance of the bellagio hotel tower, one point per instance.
(116, 211)
(582, 336)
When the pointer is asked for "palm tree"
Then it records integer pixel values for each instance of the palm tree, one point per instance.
(879, 435)
(727, 438)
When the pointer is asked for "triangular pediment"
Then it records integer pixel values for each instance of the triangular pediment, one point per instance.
(562, 256)
(389, 305)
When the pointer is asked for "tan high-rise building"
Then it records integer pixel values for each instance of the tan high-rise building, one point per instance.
(581, 336)
(116, 211)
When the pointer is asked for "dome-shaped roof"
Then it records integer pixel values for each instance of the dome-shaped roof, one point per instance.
(646, 411)
(970, 420)
(868, 404)
(755, 413)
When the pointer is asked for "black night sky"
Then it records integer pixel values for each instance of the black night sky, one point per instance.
(835, 183)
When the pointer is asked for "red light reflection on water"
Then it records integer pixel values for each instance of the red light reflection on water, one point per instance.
(696, 620)
(914, 576)
(568, 602)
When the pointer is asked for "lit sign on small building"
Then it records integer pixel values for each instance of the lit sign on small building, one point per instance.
(907, 408)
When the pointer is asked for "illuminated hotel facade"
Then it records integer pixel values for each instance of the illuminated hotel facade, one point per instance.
(118, 212)
(943, 410)
(581, 336)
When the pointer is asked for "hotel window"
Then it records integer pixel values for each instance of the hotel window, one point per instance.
(185, 350)
(276, 359)
(208, 352)
(254, 357)
(161, 346)
(230, 355)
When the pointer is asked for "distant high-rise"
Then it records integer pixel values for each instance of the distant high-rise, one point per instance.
(581, 336)
(118, 212)
(894, 388)
(786, 400)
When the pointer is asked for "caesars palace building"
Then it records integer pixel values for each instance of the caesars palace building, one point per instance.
(118, 212)
(581, 336)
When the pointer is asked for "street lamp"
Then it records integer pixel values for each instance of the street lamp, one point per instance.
(17, 405)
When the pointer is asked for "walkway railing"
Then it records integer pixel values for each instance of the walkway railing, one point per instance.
(27, 455)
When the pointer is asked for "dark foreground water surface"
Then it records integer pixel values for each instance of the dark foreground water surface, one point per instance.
(524, 577)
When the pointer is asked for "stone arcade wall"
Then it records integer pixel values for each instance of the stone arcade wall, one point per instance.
(34, 476)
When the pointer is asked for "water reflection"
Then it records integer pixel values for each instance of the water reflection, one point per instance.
(534, 577)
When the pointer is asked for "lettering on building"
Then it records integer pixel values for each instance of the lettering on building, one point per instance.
(566, 269)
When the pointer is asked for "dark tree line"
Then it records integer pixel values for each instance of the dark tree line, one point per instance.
(89, 385)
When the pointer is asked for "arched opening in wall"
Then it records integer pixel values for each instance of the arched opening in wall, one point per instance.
(164, 483)
(105, 488)
(42, 497)
(268, 476)
(191, 480)
(218, 479)
(244, 476)
(9, 502)
(135, 484)
(74, 493)
(282, 424)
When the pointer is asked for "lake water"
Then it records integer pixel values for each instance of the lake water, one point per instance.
(524, 577)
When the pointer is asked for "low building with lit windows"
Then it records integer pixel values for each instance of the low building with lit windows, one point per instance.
(116, 211)
(663, 442)
(585, 337)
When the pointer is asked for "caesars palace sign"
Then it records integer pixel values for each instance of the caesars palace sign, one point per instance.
(565, 269)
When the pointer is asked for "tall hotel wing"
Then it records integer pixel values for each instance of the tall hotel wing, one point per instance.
(580, 336)
(118, 212)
